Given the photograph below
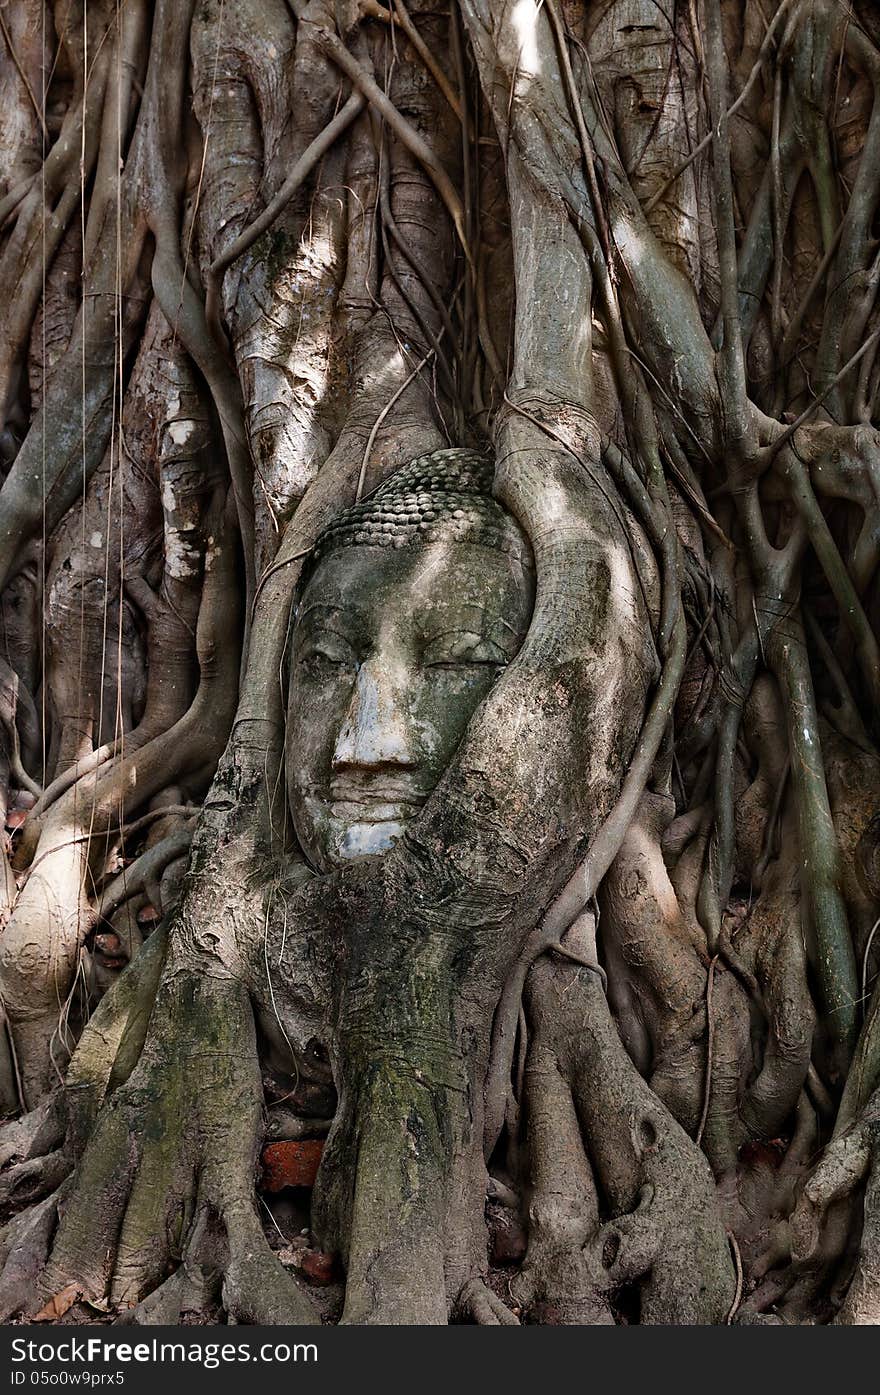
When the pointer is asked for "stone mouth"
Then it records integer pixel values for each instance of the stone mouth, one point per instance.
(383, 804)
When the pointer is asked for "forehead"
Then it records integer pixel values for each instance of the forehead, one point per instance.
(370, 583)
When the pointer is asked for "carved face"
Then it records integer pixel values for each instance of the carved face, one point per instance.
(392, 650)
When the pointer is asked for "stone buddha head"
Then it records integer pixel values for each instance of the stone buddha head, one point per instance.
(409, 606)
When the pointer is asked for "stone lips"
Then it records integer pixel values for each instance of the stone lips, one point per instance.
(443, 496)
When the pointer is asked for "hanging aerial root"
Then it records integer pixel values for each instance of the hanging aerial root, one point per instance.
(409, 137)
(249, 235)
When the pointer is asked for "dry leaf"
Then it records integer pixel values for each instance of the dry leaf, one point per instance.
(58, 1306)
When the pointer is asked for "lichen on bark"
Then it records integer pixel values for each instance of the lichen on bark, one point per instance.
(597, 1038)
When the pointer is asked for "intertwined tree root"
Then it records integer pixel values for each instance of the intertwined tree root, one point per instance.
(621, 974)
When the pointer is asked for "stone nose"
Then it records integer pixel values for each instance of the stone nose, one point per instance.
(375, 731)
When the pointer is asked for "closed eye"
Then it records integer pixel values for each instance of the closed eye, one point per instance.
(463, 650)
(455, 664)
(326, 658)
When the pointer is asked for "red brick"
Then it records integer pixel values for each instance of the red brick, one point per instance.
(316, 1266)
(291, 1164)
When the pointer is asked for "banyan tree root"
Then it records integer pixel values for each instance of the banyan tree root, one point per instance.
(34, 1133)
(53, 913)
(558, 1283)
(406, 259)
(664, 1235)
(163, 1110)
(656, 961)
(168, 1174)
(25, 1242)
(829, 1205)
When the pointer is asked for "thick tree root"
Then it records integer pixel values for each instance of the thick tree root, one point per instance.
(656, 971)
(818, 1225)
(484, 1307)
(35, 1133)
(588, 248)
(558, 1285)
(24, 1247)
(32, 1179)
(168, 1173)
(666, 1235)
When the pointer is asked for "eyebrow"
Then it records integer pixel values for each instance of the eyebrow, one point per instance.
(355, 612)
(441, 611)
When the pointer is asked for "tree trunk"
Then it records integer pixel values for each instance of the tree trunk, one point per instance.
(595, 1036)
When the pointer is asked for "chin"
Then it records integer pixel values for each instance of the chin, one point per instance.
(367, 839)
